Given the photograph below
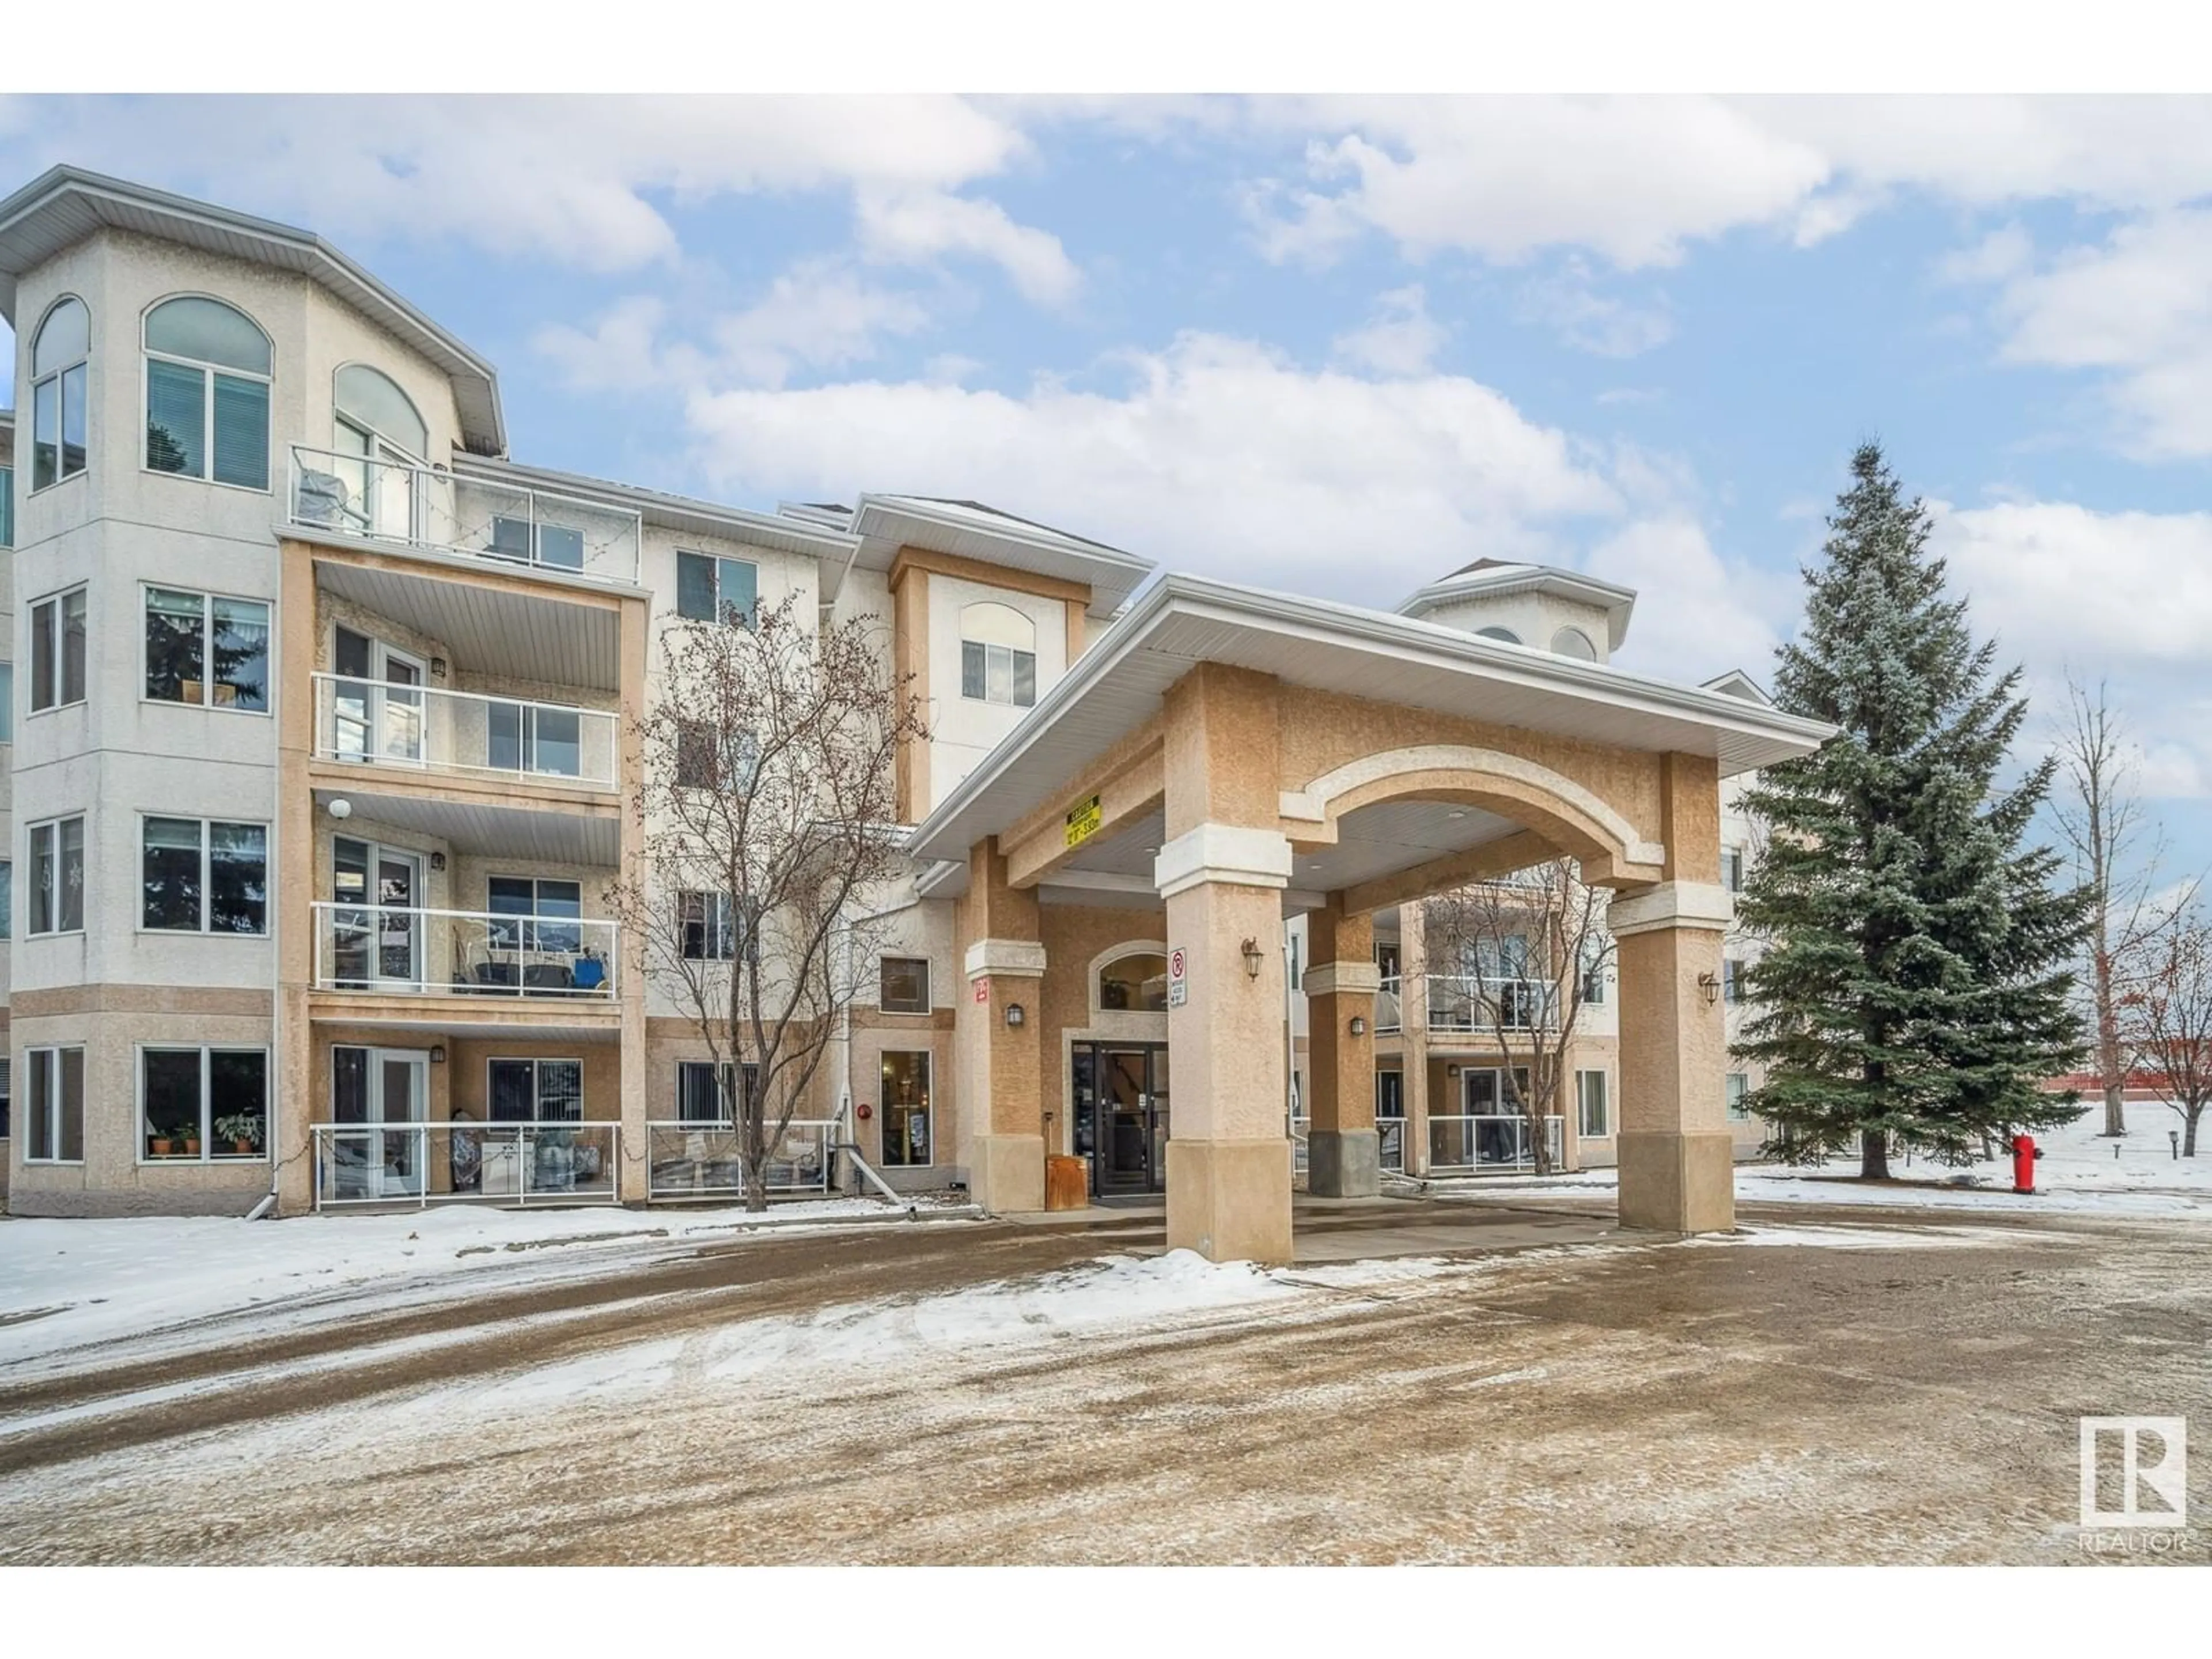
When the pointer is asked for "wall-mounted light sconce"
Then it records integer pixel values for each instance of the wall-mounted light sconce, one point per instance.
(437, 1054)
(437, 860)
(1711, 986)
(1252, 957)
(1359, 1026)
(1015, 1015)
(341, 809)
(437, 668)
(1451, 1071)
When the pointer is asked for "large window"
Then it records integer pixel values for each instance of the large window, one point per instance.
(57, 876)
(206, 650)
(697, 1098)
(905, 986)
(1739, 1091)
(998, 654)
(59, 374)
(53, 1101)
(1593, 1118)
(706, 760)
(201, 876)
(6, 899)
(1136, 983)
(529, 737)
(1732, 868)
(551, 904)
(907, 1140)
(7, 698)
(57, 650)
(536, 1090)
(710, 933)
(1593, 970)
(207, 393)
(203, 1105)
(710, 589)
(1731, 981)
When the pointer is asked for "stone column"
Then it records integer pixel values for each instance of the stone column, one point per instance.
(1222, 871)
(1000, 1065)
(1413, 1032)
(1677, 1157)
(1343, 1156)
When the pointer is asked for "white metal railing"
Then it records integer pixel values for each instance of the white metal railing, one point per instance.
(1491, 1141)
(395, 948)
(701, 1159)
(1390, 1134)
(1390, 1015)
(426, 1163)
(418, 725)
(423, 506)
(1471, 1002)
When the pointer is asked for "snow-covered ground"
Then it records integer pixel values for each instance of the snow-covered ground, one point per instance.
(66, 1283)
(2079, 1170)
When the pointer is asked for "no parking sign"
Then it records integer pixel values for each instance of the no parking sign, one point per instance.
(1178, 987)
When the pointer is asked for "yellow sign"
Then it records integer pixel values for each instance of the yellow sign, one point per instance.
(1083, 820)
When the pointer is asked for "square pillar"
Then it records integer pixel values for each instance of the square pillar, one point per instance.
(1344, 1154)
(1677, 1157)
(998, 1064)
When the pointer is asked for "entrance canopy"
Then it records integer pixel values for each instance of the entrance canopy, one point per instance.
(1403, 743)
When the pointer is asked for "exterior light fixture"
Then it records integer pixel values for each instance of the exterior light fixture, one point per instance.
(1359, 1025)
(437, 1054)
(341, 809)
(437, 860)
(437, 668)
(1252, 957)
(1015, 1015)
(1711, 986)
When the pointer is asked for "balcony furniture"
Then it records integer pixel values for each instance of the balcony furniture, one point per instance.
(548, 976)
(321, 498)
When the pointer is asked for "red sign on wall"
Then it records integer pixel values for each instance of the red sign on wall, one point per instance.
(982, 990)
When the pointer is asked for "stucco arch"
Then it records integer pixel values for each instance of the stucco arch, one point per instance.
(1113, 953)
(1565, 813)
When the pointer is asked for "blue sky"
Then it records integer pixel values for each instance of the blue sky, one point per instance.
(1341, 345)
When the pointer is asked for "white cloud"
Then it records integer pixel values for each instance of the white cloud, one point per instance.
(1697, 615)
(1571, 307)
(1401, 337)
(2004, 252)
(1218, 456)
(915, 227)
(584, 181)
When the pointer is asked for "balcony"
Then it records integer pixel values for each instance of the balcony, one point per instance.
(1470, 1002)
(432, 510)
(496, 1164)
(390, 950)
(464, 733)
(701, 1160)
(1490, 1143)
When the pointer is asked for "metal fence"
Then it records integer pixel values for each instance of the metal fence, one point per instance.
(701, 1160)
(426, 1163)
(1491, 1142)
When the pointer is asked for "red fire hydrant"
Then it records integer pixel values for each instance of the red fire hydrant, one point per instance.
(2024, 1154)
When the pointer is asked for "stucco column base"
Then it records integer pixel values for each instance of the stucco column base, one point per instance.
(1344, 1163)
(1231, 1200)
(1005, 1174)
(1678, 1182)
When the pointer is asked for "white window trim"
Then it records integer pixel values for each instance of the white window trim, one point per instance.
(717, 560)
(28, 416)
(31, 860)
(928, 986)
(928, 1110)
(54, 647)
(207, 598)
(207, 875)
(727, 917)
(987, 646)
(536, 1100)
(207, 1050)
(1599, 1072)
(49, 1053)
(147, 355)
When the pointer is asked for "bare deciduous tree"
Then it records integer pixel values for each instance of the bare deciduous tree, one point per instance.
(768, 811)
(1525, 950)
(2165, 1017)
(2100, 815)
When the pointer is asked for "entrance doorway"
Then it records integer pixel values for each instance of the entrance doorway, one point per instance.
(377, 931)
(1121, 1094)
(372, 1092)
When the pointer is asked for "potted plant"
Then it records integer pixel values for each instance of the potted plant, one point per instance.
(191, 1145)
(243, 1132)
(159, 1146)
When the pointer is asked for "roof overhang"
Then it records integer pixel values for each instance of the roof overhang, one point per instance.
(1500, 581)
(885, 524)
(1182, 621)
(66, 204)
(684, 515)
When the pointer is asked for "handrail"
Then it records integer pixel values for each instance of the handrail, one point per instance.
(392, 729)
(394, 1163)
(481, 952)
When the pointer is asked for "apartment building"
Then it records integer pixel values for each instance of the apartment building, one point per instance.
(324, 752)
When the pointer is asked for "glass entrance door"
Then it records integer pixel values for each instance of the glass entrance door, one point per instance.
(378, 712)
(372, 1092)
(377, 929)
(1120, 1095)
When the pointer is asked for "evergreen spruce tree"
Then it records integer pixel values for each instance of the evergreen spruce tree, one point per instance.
(1915, 987)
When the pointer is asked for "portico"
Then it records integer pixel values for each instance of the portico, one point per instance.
(1224, 759)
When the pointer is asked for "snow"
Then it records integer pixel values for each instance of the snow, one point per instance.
(66, 1283)
(2079, 1172)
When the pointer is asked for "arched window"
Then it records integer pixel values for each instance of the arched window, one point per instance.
(207, 392)
(998, 654)
(1573, 642)
(1504, 634)
(380, 439)
(1135, 984)
(60, 377)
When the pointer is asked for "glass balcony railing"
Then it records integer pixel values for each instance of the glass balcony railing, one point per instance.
(391, 949)
(371, 721)
(442, 512)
